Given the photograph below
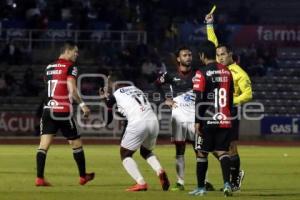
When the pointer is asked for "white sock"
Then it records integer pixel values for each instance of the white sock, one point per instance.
(180, 166)
(154, 163)
(133, 170)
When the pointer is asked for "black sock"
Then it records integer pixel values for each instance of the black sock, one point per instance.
(234, 167)
(202, 164)
(225, 166)
(40, 162)
(78, 155)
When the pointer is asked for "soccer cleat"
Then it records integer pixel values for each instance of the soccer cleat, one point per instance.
(178, 187)
(209, 186)
(240, 178)
(137, 188)
(88, 177)
(164, 181)
(41, 182)
(198, 192)
(236, 186)
(227, 190)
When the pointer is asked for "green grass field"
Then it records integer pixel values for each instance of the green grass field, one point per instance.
(271, 173)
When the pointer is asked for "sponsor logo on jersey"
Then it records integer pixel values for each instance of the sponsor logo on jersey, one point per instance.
(55, 65)
(176, 79)
(218, 72)
(52, 103)
(124, 90)
(190, 104)
(74, 71)
(219, 117)
(188, 97)
(196, 78)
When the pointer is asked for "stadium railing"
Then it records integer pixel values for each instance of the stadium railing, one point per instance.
(30, 36)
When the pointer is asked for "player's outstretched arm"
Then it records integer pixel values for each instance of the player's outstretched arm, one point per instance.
(110, 101)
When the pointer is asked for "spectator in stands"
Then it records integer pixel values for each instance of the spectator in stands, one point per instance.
(246, 13)
(126, 57)
(259, 68)
(3, 86)
(260, 59)
(222, 31)
(12, 53)
(171, 36)
(41, 4)
(11, 83)
(148, 67)
(268, 54)
(142, 50)
(30, 84)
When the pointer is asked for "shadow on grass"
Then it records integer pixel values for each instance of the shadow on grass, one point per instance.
(276, 195)
(16, 172)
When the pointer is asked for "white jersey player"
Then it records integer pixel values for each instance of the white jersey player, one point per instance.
(182, 120)
(142, 127)
(183, 109)
(141, 131)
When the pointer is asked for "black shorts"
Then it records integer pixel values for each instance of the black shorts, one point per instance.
(235, 124)
(215, 139)
(61, 121)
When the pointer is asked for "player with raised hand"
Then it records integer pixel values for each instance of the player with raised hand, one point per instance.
(140, 133)
(60, 78)
(242, 94)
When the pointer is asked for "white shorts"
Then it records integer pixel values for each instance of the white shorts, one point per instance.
(183, 128)
(141, 132)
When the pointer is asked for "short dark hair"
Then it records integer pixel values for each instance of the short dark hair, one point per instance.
(68, 45)
(208, 49)
(227, 46)
(177, 53)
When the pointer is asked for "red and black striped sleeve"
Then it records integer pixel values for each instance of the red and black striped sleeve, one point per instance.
(72, 72)
(199, 84)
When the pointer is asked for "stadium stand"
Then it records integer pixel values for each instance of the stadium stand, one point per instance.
(280, 90)
(135, 36)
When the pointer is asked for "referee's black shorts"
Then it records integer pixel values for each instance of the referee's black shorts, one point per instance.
(53, 122)
(235, 125)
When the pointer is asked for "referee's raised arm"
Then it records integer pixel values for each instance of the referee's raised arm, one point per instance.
(211, 35)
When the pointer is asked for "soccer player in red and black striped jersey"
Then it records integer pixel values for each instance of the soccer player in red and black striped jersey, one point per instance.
(60, 78)
(213, 86)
